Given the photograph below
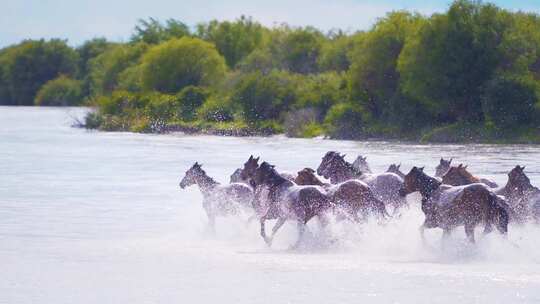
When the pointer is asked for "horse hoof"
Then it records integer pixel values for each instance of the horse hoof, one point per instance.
(268, 241)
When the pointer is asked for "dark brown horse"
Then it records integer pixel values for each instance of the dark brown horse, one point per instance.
(385, 186)
(459, 176)
(447, 207)
(354, 197)
(218, 200)
(290, 201)
(522, 195)
(396, 170)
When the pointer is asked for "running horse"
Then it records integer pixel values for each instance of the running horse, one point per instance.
(289, 201)
(218, 200)
(354, 197)
(448, 207)
(522, 194)
(385, 186)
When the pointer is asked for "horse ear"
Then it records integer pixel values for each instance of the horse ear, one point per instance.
(250, 157)
(450, 161)
(523, 168)
(398, 166)
(421, 169)
(441, 161)
(465, 167)
(460, 166)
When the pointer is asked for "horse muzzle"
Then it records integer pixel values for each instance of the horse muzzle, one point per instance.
(402, 192)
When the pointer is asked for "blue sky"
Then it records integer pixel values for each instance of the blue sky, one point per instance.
(114, 19)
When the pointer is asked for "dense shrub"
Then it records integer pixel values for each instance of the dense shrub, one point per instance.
(190, 99)
(265, 97)
(345, 121)
(508, 102)
(25, 67)
(216, 110)
(62, 91)
(106, 70)
(177, 63)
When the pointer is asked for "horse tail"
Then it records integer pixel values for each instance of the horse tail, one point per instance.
(500, 212)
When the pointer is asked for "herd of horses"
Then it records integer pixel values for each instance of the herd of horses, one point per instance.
(453, 197)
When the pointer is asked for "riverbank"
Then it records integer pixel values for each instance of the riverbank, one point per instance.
(452, 133)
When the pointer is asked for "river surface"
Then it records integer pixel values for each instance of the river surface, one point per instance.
(96, 217)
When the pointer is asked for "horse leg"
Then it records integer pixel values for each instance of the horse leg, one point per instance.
(469, 231)
(488, 228)
(263, 232)
(446, 233)
(301, 229)
(251, 219)
(212, 223)
(422, 228)
(278, 225)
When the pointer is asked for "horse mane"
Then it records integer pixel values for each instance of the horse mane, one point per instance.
(275, 179)
(207, 179)
(466, 174)
(347, 165)
(428, 183)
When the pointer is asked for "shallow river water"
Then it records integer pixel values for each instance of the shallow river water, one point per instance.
(96, 217)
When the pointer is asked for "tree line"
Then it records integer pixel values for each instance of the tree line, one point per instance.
(470, 73)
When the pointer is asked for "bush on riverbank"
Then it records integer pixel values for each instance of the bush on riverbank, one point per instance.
(61, 91)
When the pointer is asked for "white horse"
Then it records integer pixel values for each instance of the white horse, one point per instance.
(218, 200)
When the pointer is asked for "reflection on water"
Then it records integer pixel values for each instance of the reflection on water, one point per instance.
(90, 217)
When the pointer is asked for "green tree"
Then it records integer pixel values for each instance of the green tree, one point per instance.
(301, 50)
(152, 31)
(106, 69)
(264, 97)
(28, 65)
(178, 63)
(61, 91)
(509, 102)
(345, 121)
(452, 57)
(234, 40)
(335, 52)
(88, 51)
(374, 79)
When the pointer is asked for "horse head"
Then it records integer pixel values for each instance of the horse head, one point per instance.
(263, 174)
(361, 164)
(192, 175)
(518, 178)
(442, 167)
(307, 177)
(322, 170)
(249, 168)
(412, 181)
(458, 176)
